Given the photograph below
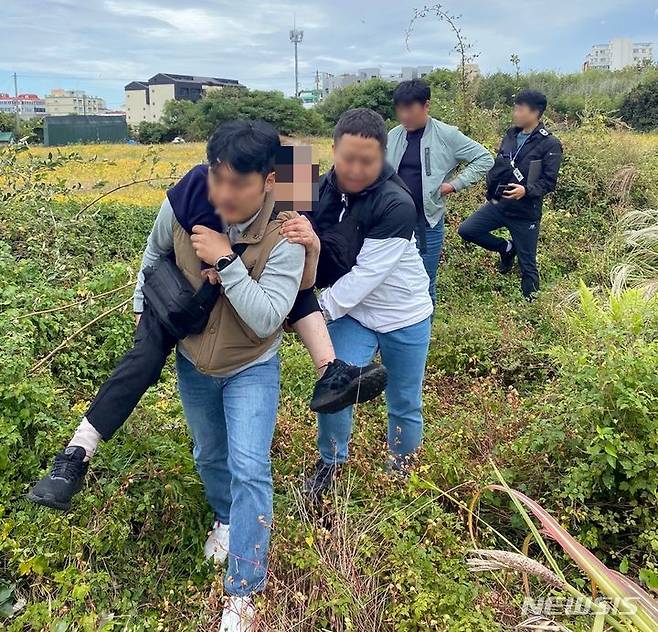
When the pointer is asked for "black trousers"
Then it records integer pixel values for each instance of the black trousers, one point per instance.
(142, 366)
(524, 232)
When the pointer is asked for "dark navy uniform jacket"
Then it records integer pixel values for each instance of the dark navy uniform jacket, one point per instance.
(538, 160)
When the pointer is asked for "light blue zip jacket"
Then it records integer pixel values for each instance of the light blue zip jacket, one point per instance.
(442, 149)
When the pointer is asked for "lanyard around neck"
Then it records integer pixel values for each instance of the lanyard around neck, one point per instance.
(513, 157)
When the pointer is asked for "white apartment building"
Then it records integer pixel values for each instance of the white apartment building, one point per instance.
(62, 102)
(145, 100)
(27, 105)
(619, 53)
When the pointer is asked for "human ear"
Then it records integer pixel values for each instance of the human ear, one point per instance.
(270, 181)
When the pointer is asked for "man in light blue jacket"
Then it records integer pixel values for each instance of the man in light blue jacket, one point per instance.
(425, 153)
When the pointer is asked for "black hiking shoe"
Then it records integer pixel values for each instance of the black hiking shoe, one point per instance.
(507, 260)
(64, 481)
(321, 480)
(345, 384)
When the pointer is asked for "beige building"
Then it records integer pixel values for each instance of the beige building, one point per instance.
(145, 100)
(62, 102)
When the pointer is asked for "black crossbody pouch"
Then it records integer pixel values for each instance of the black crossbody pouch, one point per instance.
(182, 310)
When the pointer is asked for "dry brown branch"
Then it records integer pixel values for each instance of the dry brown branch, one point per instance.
(118, 188)
(59, 347)
(61, 308)
(492, 560)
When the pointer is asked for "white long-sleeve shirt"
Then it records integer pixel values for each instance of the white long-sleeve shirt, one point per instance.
(387, 288)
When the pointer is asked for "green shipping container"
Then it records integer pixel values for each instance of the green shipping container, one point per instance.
(75, 128)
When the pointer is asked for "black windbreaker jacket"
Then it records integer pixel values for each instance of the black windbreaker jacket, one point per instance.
(343, 221)
(541, 146)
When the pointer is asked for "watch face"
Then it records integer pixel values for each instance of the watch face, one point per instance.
(222, 262)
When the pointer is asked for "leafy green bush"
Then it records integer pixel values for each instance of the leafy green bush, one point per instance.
(640, 106)
(197, 121)
(376, 94)
(611, 367)
(600, 429)
(151, 132)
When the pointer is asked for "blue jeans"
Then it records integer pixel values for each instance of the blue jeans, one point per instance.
(432, 257)
(232, 423)
(403, 353)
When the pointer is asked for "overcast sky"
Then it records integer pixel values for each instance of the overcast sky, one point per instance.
(100, 45)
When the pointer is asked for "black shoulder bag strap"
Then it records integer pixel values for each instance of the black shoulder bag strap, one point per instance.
(421, 230)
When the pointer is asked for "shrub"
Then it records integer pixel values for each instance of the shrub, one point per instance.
(640, 106)
(149, 133)
(599, 426)
(375, 94)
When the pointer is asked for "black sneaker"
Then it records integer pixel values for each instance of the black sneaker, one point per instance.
(507, 260)
(345, 384)
(64, 481)
(321, 479)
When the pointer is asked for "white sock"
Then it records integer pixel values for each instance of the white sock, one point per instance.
(87, 437)
(509, 246)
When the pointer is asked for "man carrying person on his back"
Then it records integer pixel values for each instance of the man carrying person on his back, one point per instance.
(192, 201)
(525, 171)
(425, 152)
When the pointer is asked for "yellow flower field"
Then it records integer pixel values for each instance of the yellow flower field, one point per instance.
(103, 167)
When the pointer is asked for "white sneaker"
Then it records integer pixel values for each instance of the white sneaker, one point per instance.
(216, 546)
(238, 616)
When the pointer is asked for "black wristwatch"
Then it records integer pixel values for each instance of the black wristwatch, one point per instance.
(225, 261)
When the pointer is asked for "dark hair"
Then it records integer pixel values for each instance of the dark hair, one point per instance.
(414, 91)
(362, 122)
(534, 99)
(246, 146)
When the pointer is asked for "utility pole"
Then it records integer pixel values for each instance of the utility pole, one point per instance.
(18, 118)
(296, 36)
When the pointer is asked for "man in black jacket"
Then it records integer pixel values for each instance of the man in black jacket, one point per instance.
(375, 287)
(525, 171)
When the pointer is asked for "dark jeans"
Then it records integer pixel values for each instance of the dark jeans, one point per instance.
(142, 366)
(524, 232)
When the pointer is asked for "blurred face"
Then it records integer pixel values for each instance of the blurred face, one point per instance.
(297, 178)
(524, 116)
(413, 116)
(237, 196)
(358, 161)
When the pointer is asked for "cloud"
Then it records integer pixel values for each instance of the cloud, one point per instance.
(116, 41)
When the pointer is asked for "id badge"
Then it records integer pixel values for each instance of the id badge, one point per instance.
(518, 175)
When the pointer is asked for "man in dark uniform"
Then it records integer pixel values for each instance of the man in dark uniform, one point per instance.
(525, 171)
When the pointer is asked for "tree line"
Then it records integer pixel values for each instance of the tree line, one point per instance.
(629, 95)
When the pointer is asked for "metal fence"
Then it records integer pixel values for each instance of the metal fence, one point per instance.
(75, 128)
